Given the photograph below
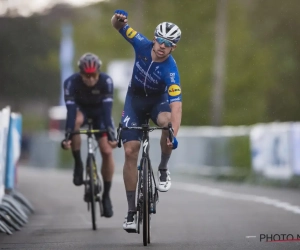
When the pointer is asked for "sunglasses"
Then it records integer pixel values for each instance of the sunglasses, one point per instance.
(89, 75)
(161, 40)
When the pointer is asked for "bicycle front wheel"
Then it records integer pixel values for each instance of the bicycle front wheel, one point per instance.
(92, 166)
(146, 215)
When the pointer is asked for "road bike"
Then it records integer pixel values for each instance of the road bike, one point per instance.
(147, 192)
(92, 181)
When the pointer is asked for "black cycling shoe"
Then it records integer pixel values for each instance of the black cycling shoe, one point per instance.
(78, 175)
(107, 207)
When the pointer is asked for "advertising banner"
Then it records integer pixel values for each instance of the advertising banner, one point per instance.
(4, 126)
(13, 150)
(295, 138)
(272, 150)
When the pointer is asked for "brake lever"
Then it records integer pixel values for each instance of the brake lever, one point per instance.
(171, 133)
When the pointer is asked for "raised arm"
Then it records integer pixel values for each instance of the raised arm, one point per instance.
(119, 19)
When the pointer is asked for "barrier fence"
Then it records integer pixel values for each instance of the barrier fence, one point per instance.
(14, 207)
(270, 149)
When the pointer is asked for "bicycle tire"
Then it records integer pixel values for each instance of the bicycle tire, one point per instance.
(146, 221)
(150, 199)
(140, 197)
(99, 198)
(91, 163)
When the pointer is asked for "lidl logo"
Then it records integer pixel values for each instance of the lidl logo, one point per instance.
(174, 90)
(130, 33)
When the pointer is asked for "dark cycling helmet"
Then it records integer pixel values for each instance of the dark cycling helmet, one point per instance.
(169, 31)
(89, 63)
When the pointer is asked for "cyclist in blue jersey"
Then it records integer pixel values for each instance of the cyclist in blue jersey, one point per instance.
(154, 89)
(89, 94)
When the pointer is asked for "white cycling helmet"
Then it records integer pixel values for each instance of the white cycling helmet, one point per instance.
(168, 31)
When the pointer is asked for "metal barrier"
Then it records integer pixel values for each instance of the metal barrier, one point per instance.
(14, 207)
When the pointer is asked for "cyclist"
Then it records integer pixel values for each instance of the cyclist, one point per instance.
(89, 94)
(154, 89)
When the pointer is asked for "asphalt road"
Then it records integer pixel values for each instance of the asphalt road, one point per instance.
(194, 214)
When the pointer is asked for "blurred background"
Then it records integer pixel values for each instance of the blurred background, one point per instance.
(238, 61)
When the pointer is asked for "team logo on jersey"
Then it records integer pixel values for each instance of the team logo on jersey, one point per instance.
(172, 77)
(138, 36)
(174, 90)
(130, 33)
(126, 120)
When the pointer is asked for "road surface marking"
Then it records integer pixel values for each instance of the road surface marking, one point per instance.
(236, 196)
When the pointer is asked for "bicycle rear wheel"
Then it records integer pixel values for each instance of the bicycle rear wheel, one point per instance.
(91, 166)
(146, 215)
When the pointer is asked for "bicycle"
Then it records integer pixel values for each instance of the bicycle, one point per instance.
(147, 193)
(92, 182)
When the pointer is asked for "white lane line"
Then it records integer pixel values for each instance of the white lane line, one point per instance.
(248, 237)
(196, 188)
(236, 196)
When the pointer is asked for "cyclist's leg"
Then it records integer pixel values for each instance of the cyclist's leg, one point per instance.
(131, 141)
(76, 143)
(107, 167)
(161, 116)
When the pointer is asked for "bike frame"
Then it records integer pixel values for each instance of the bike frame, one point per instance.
(145, 156)
(146, 178)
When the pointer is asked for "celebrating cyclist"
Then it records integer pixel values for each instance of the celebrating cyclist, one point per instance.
(89, 94)
(155, 90)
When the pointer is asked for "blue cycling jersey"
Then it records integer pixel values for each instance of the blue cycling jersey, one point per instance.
(148, 77)
(94, 102)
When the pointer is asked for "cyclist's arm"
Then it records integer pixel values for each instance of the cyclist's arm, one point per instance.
(174, 96)
(70, 105)
(133, 37)
(116, 24)
(107, 104)
(176, 113)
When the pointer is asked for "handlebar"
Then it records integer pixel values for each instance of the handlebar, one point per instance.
(110, 132)
(88, 131)
(144, 127)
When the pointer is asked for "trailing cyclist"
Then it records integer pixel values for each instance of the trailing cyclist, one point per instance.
(89, 94)
(154, 89)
